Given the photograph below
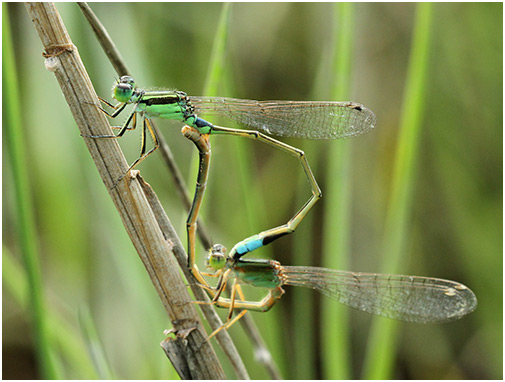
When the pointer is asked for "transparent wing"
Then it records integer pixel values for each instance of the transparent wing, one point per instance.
(297, 119)
(406, 298)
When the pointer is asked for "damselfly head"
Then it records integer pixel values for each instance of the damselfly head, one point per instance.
(123, 89)
(217, 257)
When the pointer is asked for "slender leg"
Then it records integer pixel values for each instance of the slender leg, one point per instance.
(214, 292)
(240, 293)
(143, 138)
(229, 322)
(130, 124)
(221, 284)
(210, 274)
(117, 110)
(227, 325)
(147, 127)
(262, 306)
(266, 237)
(231, 303)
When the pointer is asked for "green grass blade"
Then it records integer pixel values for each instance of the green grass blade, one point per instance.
(26, 224)
(303, 312)
(381, 347)
(15, 282)
(215, 73)
(252, 219)
(94, 345)
(14, 278)
(239, 148)
(217, 59)
(336, 231)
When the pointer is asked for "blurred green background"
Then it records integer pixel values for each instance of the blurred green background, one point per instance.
(453, 224)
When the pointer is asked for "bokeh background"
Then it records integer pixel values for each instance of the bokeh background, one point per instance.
(92, 276)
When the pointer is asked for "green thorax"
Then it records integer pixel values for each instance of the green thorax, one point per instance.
(258, 272)
(166, 104)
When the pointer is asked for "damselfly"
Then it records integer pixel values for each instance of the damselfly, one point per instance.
(406, 298)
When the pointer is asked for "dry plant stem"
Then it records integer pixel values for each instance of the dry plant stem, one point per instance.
(180, 255)
(140, 222)
(175, 351)
(105, 40)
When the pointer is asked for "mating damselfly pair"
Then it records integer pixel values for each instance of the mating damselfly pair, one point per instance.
(407, 298)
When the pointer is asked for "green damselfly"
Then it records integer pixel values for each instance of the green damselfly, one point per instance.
(406, 298)
(298, 119)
